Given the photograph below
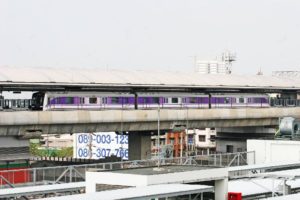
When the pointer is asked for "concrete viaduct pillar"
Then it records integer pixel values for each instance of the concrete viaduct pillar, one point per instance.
(221, 189)
(139, 145)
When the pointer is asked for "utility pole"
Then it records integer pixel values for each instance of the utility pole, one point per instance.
(158, 135)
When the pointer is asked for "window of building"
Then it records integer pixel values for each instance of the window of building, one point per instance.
(212, 138)
(201, 138)
(153, 143)
(171, 140)
(229, 148)
(93, 100)
(190, 139)
(174, 100)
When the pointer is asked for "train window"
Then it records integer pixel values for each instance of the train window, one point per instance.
(52, 101)
(58, 100)
(115, 100)
(93, 100)
(69, 100)
(165, 100)
(174, 100)
(104, 100)
(144, 100)
(155, 100)
(257, 100)
(82, 100)
(193, 100)
(241, 100)
(227, 100)
(125, 100)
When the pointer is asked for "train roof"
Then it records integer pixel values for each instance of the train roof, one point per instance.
(88, 94)
(171, 94)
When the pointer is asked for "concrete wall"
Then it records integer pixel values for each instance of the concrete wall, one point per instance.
(237, 137)
(207, 133)
(57, 141)
(238, 146)
(13, 142)
(274, 150)
(23, 122)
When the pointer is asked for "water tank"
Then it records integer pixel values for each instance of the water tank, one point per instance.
(289, 126)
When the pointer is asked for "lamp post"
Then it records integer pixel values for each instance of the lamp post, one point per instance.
(158, 135)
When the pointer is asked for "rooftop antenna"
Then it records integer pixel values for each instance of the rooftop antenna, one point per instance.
(259, 73)
(228, 58)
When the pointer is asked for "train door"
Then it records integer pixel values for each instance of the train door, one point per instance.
(136, 101)
(174, 102)
(125, 102)
(7, 104)
(1, 103)
(142, 102)
(93, 102)
(103, 102)
(241, 101)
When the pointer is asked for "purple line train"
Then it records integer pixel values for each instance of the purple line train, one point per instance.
(97, 100)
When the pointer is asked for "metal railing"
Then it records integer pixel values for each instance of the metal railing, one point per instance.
(76, 173)
(15, 104)
(284, 102)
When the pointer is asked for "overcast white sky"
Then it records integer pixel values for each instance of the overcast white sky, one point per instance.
(152, 34)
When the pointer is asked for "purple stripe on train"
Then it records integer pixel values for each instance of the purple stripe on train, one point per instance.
(161, 100)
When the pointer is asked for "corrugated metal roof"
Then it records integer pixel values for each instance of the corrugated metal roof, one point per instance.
(141, 192)
(136, 78)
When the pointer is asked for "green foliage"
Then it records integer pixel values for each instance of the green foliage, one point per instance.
(33, 148)
(36, 150)
(65, 152)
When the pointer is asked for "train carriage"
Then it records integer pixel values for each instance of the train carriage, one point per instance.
(239, 100)
(84, 100)
(98, 100)
(171, 100)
